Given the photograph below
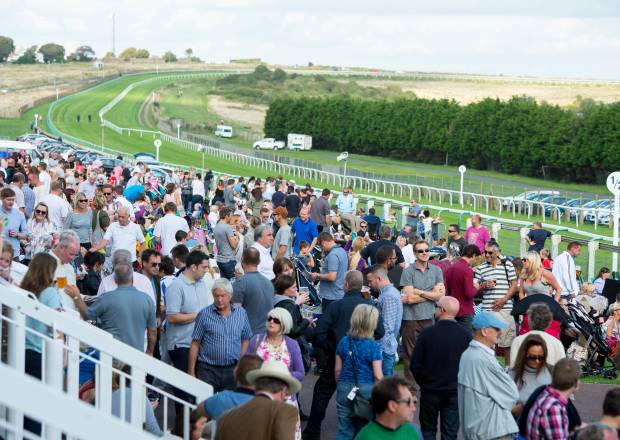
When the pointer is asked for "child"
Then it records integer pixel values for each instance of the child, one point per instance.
(6, 258)
(181, 237)
(94, 262)
(197, 212)
(547, 262)
(304, 254)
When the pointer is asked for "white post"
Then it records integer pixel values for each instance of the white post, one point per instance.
(386, 210)
(344, 180)
(592, 248)
(556, 239)
(613, 185)
(178, 130)
(462, 170)
(523, 234)
(53, 374)
(495, 228)
(403, 214)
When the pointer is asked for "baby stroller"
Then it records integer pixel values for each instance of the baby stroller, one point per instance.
(303, 280)
(593, 351)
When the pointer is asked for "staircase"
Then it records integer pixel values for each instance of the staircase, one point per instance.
(62, 352)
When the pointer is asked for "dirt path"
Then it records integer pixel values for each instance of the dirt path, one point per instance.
(251, 114)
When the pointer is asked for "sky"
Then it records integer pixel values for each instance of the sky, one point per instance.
(545, 38)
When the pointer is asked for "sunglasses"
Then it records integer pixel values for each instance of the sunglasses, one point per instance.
(155, 264)
(488, 252)
(422, 251)
(107, 193)
(38, 211)
(536, 358)
(410, 401)
(82, 200)
(275, 320)
(451, 230)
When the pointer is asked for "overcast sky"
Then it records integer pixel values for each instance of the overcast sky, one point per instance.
(560, 38)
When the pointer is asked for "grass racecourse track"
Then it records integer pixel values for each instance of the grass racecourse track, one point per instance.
(127, 114)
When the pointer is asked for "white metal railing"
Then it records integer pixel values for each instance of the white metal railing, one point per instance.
(69, 335)
(58, 412)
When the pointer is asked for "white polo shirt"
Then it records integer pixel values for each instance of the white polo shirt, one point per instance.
(166, 228)
(265, 267)
(124, 237)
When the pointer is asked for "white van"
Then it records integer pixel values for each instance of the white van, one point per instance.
(299, 141)
(225, 131)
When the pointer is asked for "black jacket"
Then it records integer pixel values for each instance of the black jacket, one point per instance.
(89, 285)
(299, 323)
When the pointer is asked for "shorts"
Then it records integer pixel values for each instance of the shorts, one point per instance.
(508, 334)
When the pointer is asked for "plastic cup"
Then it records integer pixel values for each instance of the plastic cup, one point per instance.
(61, 282)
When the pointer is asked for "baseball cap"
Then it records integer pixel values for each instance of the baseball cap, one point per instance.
(487, 319)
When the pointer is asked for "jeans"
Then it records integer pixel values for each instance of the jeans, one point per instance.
(445, 407)
(466, 322)
(227, 269)
(220, 378)
(387, 364)
(348, 425)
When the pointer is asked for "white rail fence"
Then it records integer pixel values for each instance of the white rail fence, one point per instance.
(69, 336)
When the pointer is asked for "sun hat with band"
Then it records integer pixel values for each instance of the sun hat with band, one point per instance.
(275, 370)
(487, 319)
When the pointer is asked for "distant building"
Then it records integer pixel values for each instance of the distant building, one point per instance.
(246, 61)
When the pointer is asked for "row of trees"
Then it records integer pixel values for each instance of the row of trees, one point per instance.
(519, 136)
(55, 53)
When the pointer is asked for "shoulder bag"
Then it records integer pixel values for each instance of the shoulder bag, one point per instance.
(362, 409)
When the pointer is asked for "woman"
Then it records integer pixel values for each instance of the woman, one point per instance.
(40, 230)
(81, 220)
(39, 280)
(256, 201)
(356, 262)
(535, 279)
(283, 266)
(288, 298)
(599, 281)
(612, 328)
(275, 346)
(358, 364)
(173, 194)
(100, 218)
(218, 196)
(530, 369)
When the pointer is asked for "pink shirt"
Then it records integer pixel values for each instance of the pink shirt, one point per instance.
(477, 236)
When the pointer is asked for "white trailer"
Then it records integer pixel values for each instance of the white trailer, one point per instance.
(224, 131)
(299, 142)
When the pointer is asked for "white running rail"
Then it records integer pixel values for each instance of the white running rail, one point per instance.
(69, 336)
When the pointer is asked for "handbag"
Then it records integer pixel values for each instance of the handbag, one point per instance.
(362, 409)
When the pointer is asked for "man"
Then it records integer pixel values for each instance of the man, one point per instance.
(19, 182)
(179, 255)
(539, 319)
(304, 229)
(460, 285)
(393, 405)
(208, 180)
(386, 257)
(229, 194)
(565, 272)
(486, 393)
(167, 226)
(373, 221)
(122, 234)
(266, 416)
(611, 409)
(456, 242)
(537, 237)
(140, 281)
(346, 208)
(15, 224)
(253, 292)
(226, 241)
(10, 169)
(422, 287)
(270, 189)
(125, 312)
(279, 197)
(385, 238)
(151, 262)
(121, 200)
(547, 419)
(89, 186)
(413, 216)
(65, 251)
(45, 177)
(221, 335)
(263, 240)
(320, 210)
(57, 207)
(435, 366)
(333, 270)
(38, 188)
(330, 329)
(293, 202)
(477, 233)
(282, 242)
(218, 404)
(391, 309)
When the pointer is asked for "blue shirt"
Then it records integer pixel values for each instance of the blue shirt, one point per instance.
(16, 222)
(50, 298)
(29, 199)
(345, 204)
(391, 308)
(219, 336)
(337, 261)
(365, 352)
(221, 402)
(413, 221)
(303, 232)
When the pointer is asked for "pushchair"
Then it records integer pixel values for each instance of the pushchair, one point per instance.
(302, 276)
(593, 351)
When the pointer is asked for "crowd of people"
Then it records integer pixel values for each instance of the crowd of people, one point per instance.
(251, 285)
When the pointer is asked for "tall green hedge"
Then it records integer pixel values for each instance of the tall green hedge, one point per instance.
(519, 136)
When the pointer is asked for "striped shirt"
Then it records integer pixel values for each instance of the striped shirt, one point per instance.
(548, 418)
(391, 308)
(220, 336)
(503, 274)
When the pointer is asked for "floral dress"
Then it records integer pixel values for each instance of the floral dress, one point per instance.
(268, 352)
(40, 237)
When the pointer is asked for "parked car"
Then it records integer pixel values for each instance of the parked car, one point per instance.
(553, 200)
(572, 203)
(269, 144)
(603, 207)
(529, 196)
